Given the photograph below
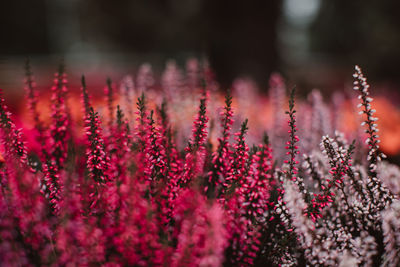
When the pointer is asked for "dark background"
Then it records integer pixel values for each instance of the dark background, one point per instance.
(313, 42)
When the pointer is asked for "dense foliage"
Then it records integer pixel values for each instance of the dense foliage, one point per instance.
(125, 193)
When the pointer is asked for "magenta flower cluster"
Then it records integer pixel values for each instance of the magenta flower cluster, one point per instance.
(124, 193)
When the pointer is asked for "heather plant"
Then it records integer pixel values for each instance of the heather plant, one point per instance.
(136, 189)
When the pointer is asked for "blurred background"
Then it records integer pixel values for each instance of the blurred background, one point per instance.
(313, 43)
